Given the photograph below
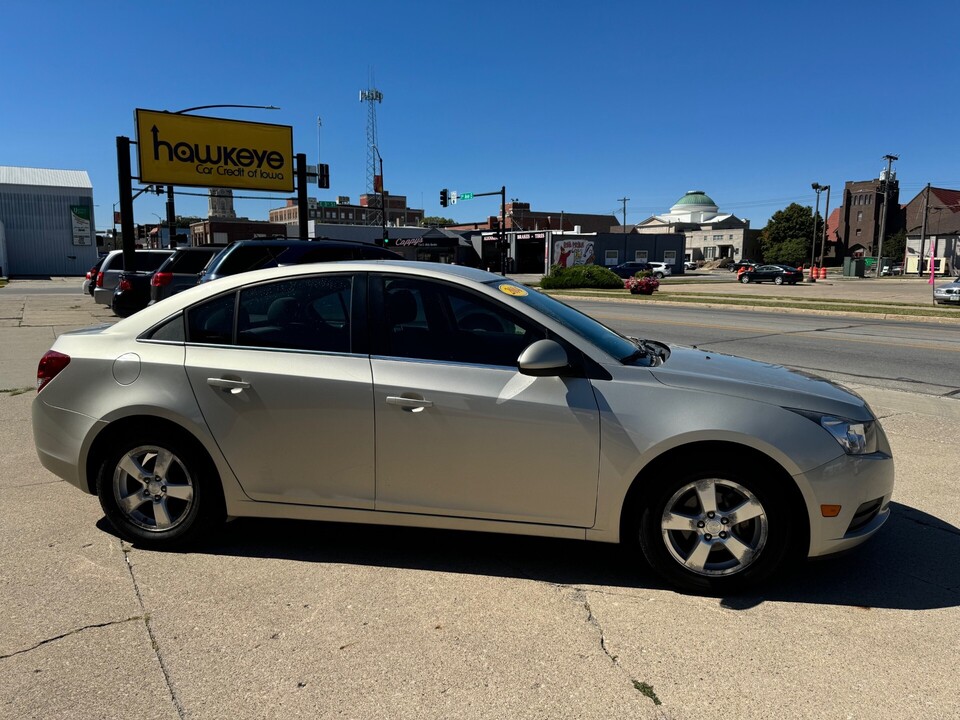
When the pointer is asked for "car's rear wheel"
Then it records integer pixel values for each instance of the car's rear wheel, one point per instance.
(658, 275)
(716, 531)
(778, 280)
(745, 278)
(159, 490)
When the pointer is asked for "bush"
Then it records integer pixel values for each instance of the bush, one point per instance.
(581, 276)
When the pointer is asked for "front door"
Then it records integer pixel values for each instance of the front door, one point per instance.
(459, 430)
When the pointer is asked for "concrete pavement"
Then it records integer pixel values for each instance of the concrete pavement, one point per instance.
(298, 620)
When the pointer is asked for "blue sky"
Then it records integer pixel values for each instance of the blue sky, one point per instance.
(571, 105)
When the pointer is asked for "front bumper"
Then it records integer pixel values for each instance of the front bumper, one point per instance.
(862, 486)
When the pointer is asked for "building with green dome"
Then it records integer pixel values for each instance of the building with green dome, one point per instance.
(708, 233)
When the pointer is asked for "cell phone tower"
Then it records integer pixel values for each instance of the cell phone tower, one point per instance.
(372, 96)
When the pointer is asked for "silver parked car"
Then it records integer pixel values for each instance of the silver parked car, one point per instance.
(434, 395)
(948, 294)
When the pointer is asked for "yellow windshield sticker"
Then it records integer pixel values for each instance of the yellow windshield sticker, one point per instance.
(513, 290)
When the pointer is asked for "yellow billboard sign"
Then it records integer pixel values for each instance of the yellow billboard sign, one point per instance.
(212, 152)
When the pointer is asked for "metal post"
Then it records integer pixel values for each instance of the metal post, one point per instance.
(826, 216)
(302, 194)
(383, 202)
(503, 233)
(624, 200)
(126, 202)
(817, 187)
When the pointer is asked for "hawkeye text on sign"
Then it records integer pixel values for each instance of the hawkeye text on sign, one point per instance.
(212, 152)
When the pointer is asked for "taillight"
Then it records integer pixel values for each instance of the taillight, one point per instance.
(161, 279)
(100, 279)
(124, 285)
(50, 366)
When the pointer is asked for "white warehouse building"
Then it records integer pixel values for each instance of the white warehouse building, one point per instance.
(46, 222)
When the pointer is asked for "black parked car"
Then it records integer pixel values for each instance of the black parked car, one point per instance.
(631, 268)
(748, 264)
(180, 271)
(132, 293)
(778, 274)
(245, 255)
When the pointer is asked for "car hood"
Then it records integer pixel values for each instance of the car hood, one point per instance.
(722, 374)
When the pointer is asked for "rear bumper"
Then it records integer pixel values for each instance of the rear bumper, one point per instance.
(103, 296)
(60, 437)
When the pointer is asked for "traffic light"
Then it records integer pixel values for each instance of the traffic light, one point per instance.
(444, 198)
(323, 176)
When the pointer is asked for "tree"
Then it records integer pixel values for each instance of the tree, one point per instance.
(788, 234)
(895, 246)
(436, 221)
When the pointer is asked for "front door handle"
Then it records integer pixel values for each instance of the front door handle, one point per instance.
(407, 403)
(228, 385)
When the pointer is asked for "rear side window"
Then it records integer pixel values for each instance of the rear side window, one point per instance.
(211, 323)
(191, 263)
(244, 258)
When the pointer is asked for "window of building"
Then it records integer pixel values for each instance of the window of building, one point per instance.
(640, 255)
(670, 257)
(718, 238)
(858, 232)
(859, 215)
(611, 257)
(710, 253)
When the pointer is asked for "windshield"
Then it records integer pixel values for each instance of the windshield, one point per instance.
(610, 341)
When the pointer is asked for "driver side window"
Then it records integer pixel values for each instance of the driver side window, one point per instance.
(436, 321)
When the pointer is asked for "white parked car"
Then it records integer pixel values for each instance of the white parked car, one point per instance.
(429, 395)
(661, 269)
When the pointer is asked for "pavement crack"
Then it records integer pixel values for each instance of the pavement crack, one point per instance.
(580, 596)
(178, 706)
(70, 633)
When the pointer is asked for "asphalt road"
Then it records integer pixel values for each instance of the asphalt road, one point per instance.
(903, 355)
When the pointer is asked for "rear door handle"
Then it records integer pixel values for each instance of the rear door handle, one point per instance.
(407, 403)
(227, 385)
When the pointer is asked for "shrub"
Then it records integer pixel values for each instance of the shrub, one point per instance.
(581, 276)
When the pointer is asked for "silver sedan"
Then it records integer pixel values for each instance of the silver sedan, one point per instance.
(440, 396)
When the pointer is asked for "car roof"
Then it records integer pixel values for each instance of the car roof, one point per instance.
(158, 312)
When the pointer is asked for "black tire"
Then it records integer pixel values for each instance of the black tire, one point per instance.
(166, 510)
(745, 279)
(778, 280)
(658, 275)
(761, 542)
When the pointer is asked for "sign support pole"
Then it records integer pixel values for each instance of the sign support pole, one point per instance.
(302, 194)
(126, 202)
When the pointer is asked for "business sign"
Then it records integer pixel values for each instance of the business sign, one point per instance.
(80, 220)
(212, 152)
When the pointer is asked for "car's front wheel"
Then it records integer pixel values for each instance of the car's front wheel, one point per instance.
(658, 275)
(745, 278)
(778, 280)
(716, 531)
(159, 490)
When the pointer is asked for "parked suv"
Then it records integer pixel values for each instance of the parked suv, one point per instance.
(245, 255)
(180, 271)
(109, 274)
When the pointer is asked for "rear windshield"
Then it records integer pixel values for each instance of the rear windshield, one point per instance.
(244, 258)
(192, 262)
(142, 261)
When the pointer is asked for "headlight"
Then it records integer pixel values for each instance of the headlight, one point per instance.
(856, 437)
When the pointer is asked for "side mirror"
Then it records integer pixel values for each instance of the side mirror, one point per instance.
(543, 358)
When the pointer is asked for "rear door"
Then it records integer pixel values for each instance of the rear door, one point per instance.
(284, 383)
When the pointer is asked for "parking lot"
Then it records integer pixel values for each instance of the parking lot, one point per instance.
(292, 619)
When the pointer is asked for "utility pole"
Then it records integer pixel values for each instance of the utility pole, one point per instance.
(883, 218)
(826, 216)
(923, 230)
(624, 200)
